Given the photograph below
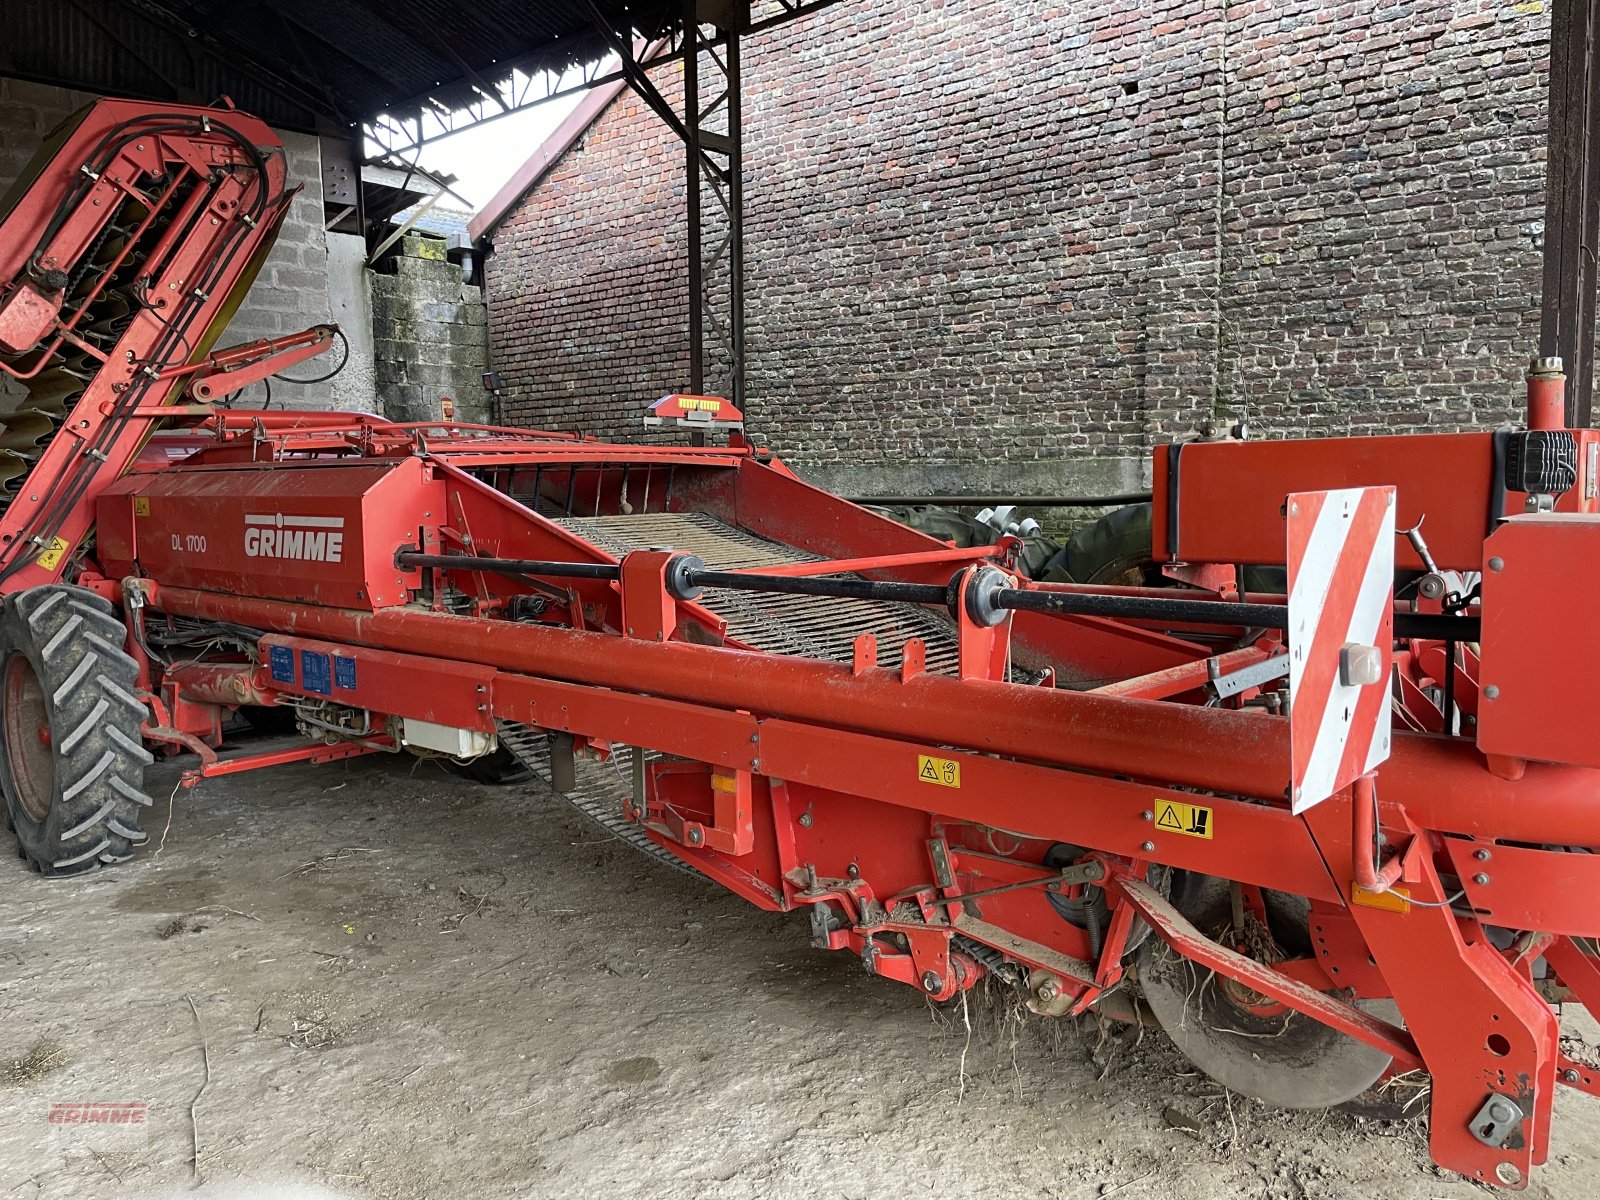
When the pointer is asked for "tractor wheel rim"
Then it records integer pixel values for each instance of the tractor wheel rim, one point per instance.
(30, 759)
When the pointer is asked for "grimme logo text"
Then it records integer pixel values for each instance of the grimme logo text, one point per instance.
(88, 1112)
(288, 535)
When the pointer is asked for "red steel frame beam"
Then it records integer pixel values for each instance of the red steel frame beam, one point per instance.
(1442, 784)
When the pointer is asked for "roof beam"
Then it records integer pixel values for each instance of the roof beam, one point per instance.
(421, 120)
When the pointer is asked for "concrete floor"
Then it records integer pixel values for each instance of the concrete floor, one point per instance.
(393, 984)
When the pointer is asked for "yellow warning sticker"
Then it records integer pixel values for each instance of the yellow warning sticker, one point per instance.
(141, 506)
(1393, 900)
(54, 553)
(1191, 820)
(942, 772)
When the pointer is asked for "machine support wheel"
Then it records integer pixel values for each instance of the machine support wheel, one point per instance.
(71, 758)
(1243, 1040)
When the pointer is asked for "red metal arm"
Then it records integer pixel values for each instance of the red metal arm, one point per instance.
(225, 371)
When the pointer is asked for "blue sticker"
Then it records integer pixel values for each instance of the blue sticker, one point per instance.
(316, 672)
(282, 660)
(344, 673)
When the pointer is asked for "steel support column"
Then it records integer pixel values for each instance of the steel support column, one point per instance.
(712, 134)
(692, 190)
(714, 160)
(713, 153)
(1572, 202)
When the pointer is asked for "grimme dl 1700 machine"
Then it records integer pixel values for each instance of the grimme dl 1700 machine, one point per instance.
(1327, 835)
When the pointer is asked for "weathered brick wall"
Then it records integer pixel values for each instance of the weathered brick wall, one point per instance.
(1007, 245)
(588, 319)
(292, 290)
(1382, 254)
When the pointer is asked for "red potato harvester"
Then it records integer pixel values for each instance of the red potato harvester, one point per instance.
(1359, 803)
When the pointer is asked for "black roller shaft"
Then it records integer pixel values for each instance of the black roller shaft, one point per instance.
(1427, 626)
(509, 566)
(821, 585)
(804, 585)
(1144, 608)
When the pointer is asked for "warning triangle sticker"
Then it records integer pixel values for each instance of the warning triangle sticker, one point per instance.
(1168, 818)
(928, 772)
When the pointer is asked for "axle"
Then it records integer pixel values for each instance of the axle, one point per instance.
(687, 577)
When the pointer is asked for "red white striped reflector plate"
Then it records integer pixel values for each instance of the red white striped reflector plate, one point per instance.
(1341, 594)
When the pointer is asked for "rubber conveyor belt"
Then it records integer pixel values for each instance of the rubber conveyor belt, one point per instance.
(810, 626)
(822, 627)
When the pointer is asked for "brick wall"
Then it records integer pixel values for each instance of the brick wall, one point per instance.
(586, 287)
(292, 289)
(1008, 245)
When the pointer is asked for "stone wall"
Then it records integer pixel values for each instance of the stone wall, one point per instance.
(1007, 246)
(430, 338)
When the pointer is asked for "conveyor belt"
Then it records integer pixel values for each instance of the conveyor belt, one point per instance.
(804, 626)
(602, 790)
(810, 626)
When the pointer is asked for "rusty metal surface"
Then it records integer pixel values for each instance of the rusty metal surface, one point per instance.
(304, 62)
(321, 66)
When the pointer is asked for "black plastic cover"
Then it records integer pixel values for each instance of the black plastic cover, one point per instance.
(1542, 461)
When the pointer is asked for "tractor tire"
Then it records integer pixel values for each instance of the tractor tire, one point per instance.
(71, 757)
(1116, 550)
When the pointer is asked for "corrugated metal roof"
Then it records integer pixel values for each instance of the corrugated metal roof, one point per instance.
(310, 64)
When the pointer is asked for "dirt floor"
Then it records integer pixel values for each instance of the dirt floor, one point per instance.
(382, 982)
